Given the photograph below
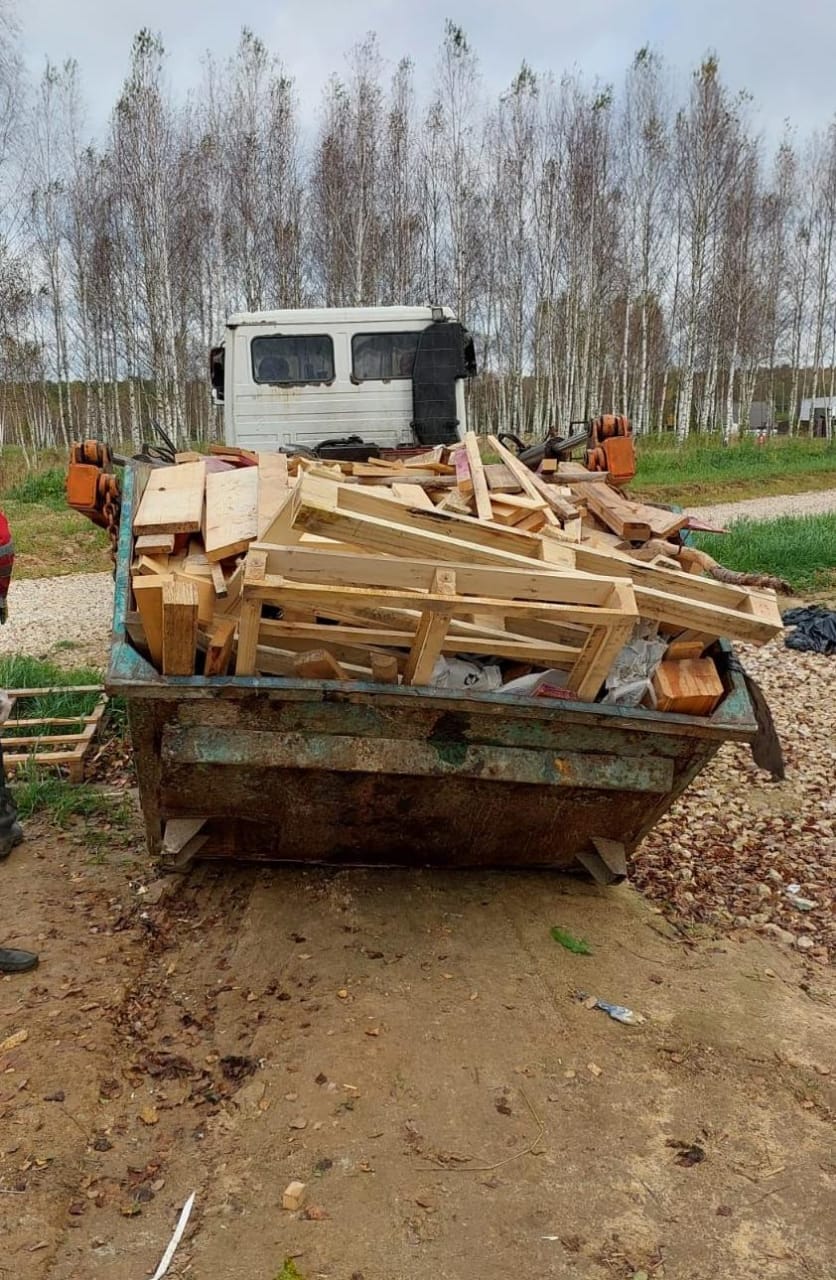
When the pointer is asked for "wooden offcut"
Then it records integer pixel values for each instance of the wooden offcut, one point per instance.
(317, 664)
(172, 501)
(231, 522)
(690, 687)
(179, 626)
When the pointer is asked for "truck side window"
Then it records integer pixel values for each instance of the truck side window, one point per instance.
(292, 360)
(378, 357)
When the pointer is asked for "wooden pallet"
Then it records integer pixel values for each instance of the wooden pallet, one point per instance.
(417, 604)
(67, 746)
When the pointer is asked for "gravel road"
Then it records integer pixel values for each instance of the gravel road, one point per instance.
(66, 620)
(789, 504)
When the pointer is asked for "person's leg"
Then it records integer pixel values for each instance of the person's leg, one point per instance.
(11, 833)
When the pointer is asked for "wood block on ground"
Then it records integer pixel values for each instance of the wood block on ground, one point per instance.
(231, 522)
(180, 610)
(318, 664)
(691, 687)
(172, 501)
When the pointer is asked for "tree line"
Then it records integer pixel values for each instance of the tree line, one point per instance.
(634, 248)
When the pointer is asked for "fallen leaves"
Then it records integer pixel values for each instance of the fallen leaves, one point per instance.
(149, 1115)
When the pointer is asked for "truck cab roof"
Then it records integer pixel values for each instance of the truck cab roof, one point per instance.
(341, 315)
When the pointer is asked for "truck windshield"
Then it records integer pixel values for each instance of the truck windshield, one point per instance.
(383, 356)
(293, 360)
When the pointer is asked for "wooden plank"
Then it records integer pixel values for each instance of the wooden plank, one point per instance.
(281, 591)
(148, 594)
(250, 615)
(534, 485)
(453, 502)
(273, 485)
(689, 644)
(219, 647)
(500, 479)
(290, 635)
(532, 581)
(179, 625)
(466, 528)
(616, 513)
(231, 522)
(318, 664)
(380, 534)
(218, 579)
(477, 476)
(172, 501)
(430, 633)
(154, 544)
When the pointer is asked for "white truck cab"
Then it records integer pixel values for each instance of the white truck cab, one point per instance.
(388, 377)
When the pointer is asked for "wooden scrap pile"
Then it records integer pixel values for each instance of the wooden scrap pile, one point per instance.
(250, 564)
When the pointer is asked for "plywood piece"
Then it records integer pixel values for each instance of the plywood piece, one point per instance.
(690, 687)
(154, 544)
(231, 522)
(180, 620)
(219, 647)
(318, 664)
(172, 501)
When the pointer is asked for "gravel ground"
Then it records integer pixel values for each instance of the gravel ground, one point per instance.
(66, 620)
(790, 504)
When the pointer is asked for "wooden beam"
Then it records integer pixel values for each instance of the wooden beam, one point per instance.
(616, 513)
(432, 628)
(477, 476)
(180, 617)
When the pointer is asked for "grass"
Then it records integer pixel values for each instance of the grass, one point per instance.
(50, 539)
(801, 549)
(19, 672)
(703, 470)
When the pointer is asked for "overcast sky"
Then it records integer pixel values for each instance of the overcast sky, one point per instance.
(781, 52)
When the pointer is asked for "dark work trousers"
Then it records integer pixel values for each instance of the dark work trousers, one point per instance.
(8, 809)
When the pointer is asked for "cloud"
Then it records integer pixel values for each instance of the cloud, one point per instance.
(783, 57)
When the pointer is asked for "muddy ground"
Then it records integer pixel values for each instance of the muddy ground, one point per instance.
(409, 1045)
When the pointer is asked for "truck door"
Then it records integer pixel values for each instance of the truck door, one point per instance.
(444, 355)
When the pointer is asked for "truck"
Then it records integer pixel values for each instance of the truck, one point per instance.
(335, 379)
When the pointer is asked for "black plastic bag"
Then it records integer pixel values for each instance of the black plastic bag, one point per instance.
(814, 629)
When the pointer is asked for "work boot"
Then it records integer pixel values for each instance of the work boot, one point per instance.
(12, 961)
(9, 837)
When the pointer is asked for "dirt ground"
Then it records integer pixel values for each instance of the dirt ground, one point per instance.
(409, 1044)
